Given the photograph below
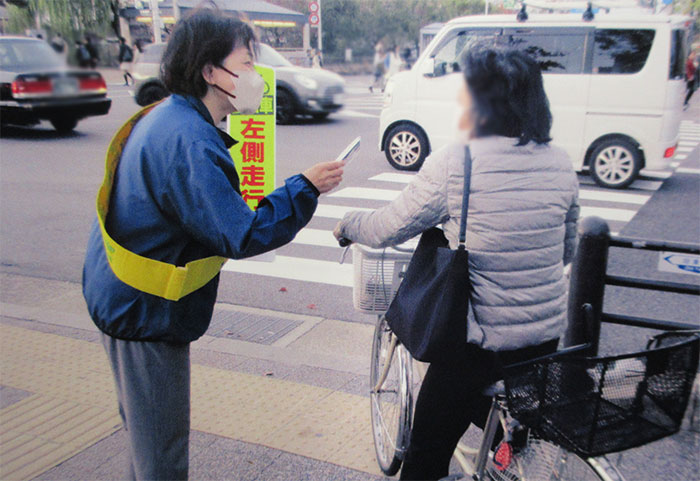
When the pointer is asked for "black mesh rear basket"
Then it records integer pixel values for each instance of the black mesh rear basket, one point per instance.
(594, 406)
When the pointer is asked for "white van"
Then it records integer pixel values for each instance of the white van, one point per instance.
(615, 87)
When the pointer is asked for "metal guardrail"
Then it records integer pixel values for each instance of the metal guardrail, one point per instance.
(589, 277)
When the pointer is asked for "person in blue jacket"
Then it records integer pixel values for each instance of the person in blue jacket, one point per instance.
(176, 198)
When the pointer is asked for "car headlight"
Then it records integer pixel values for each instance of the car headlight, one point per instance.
(306, 82)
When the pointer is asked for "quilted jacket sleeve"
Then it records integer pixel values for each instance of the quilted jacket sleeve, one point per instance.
(421, 205)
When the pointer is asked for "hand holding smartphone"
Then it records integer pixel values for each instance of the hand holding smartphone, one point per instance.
(350, 151)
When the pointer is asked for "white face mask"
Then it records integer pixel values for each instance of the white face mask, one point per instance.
(250, 88)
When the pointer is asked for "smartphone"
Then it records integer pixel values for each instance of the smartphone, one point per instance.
(350, 151)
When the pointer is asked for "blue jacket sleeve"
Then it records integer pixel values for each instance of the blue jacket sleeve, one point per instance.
(201, 197)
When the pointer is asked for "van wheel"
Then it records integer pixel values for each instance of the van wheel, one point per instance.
(615, 163)
(406, 147)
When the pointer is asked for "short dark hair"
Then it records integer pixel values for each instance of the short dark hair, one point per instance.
(205, 36)
(507, 93)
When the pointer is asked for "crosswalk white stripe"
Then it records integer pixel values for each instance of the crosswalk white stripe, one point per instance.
(315, 237)
(336, 211)
(656, 174)
(688, 170)
(620, 215)
(389, 195)
(393, 177)
(606, 195)
(688, 142)
(366, 193)
(685, 149)
(352, 113)
(296, 268)
(680, 156)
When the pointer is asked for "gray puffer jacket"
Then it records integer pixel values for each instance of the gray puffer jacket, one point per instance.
(521, 231)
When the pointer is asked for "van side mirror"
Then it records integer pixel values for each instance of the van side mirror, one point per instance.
(428, 67)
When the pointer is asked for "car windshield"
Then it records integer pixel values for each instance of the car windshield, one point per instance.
(21, 54)
(153, 53)
(269, 56)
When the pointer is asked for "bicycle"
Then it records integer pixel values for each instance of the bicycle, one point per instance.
(543, 439)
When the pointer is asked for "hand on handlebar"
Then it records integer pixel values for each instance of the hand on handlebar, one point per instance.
(342, 241)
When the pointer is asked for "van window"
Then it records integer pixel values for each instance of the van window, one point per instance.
(556, 51)
(447, 54)
(621, 51)
(678, 55)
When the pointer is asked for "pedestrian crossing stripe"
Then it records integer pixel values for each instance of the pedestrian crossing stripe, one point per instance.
(296, 268)
(369, 193)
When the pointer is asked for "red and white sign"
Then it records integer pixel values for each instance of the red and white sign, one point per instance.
(314, 19)
(313, 7)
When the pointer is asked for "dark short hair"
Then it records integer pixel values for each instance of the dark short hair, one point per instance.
(507, 93)
(206, 36)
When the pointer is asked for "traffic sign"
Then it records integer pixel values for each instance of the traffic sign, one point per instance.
(313, 7)
(313, 19)
(679, 263)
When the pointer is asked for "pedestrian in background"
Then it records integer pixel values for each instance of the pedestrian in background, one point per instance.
(379, 68)
(691, 75)
(82, 54)
(93, 51)
(126, 59)
(523, 210)
(175, 198)
(317, 61)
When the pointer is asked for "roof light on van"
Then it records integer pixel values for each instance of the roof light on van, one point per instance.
(588, 14)
(522, 14)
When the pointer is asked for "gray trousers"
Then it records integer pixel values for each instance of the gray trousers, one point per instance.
(153, 391)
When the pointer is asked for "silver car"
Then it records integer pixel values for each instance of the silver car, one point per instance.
(300, 91)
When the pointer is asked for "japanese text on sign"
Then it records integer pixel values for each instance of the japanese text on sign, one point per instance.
(254, 154)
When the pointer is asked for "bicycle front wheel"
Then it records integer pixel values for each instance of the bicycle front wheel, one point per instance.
(391, 398)
(543, 461)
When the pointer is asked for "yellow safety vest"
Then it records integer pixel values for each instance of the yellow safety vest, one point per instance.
(148, 275)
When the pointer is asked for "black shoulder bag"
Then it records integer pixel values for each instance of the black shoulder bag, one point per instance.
(429, 312)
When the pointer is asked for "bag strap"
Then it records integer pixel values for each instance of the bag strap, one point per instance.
(465, 196)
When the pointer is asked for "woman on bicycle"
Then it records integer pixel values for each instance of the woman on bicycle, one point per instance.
(521, 232)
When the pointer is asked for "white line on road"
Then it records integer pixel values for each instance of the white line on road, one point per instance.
(296, 268)
(336, 211)
(366, 193)
(688, 170)
(352, 113)
(315, 237)
(393, 177)
(622, 215)
(681, 156)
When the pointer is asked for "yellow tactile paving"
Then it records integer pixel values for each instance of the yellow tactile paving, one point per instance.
(74, 406)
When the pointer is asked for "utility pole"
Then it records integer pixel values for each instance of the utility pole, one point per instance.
(157, 26)
(176, 11)
(320, 32)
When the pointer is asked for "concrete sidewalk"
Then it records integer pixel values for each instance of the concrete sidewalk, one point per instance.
(274, 395)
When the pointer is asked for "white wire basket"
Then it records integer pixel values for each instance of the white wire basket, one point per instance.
(377, 275)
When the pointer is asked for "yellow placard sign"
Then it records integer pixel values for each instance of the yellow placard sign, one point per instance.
(254, 154)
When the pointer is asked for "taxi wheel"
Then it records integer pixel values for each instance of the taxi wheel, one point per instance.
(615, 163)
(64, 125)
(406, 147)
